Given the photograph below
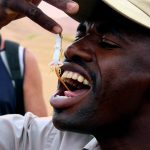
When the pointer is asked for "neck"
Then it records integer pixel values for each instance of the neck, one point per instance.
(131, 135)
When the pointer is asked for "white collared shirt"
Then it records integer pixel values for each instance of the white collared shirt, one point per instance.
(30, 132)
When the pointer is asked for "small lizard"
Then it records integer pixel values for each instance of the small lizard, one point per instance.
(56, 63)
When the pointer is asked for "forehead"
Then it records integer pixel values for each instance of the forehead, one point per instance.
(101, 27)
(105, 19)
(120, 26)
(127, 32)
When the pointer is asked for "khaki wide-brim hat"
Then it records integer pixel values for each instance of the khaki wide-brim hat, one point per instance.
(135, 10)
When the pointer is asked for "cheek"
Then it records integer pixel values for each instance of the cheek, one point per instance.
(121, 94)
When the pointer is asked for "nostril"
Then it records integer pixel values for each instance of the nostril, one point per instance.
(75, 52)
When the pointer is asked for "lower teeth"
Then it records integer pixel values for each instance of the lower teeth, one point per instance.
(58, 96)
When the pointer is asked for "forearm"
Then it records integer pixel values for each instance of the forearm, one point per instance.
(32, 87)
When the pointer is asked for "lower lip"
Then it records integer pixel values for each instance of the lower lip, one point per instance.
(65, 101)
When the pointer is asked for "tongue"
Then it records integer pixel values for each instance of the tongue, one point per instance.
(74, 93)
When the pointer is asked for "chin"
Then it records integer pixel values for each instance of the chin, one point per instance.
(80, 120)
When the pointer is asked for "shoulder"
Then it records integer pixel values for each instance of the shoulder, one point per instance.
(29, 56)
(30, 61)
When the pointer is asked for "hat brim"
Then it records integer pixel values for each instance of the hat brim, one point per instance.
(123, 7)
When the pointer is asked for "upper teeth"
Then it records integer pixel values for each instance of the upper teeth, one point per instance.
(75, 76)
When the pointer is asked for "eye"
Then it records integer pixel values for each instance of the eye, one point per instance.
(108, 44)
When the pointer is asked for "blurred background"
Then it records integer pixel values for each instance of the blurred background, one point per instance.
(41, 43)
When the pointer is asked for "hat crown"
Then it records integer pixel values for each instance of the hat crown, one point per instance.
(144, 5)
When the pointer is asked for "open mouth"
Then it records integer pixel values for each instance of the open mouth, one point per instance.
(78, 85)
(75, 83)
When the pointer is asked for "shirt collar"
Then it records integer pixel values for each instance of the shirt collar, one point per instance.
(92, 145)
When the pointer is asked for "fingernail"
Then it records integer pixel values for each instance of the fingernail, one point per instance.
(72, 7)
(57, 29)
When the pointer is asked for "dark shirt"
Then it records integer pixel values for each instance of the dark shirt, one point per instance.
(7, 92)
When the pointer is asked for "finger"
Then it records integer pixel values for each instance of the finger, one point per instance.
(67, 6)
(6, 15)
(36, 15)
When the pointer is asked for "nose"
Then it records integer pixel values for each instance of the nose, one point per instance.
(79, 50)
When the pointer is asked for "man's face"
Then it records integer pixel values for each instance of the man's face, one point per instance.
(107, 72)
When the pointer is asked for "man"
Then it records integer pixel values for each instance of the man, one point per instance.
(107, 71)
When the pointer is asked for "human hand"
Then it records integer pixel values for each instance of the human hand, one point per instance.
(14, 9)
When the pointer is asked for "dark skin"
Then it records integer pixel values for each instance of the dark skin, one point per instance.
(116, 60)
(116, 109)
(13, 9)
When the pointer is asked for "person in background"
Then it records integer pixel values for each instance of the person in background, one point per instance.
(21, 83)
(107, 69)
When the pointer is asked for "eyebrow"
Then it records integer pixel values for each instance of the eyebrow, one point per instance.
(81, 27)
(115, 29)
(104, 28)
